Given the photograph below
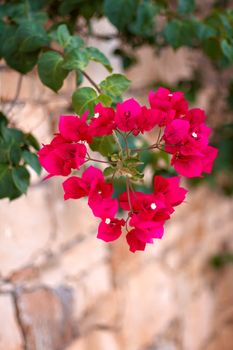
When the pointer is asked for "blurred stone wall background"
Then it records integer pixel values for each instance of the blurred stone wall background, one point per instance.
(62, 289)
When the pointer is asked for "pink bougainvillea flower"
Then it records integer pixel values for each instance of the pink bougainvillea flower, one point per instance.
(127, 114)
(100, 199)
(59, 158)
(173, 193)
(103, 121)
(147, 120)
(195, 116)
(163, 99)
(106, 207)
(133, 241)
(210, 154)
(188, 166)
(110, 229)
(75, 188)
(74, 128)
(174, 134)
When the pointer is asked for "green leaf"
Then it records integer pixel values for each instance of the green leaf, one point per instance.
(21, 178)
(51, 71)
(84, 99)
(76, 42)
(79, 78)
(13, 136)
(32, 141)
(32, 160)
(120, 12)
(21, 61)
(204, 31)
(186, 6)
(4, 151)
(105, 100)
(212, 48)
(115, 84)
(63, 35)
(15, 154)
(145, 20)
(76, 59)
(104, 145)
(96, 55)
(30, 36)
(180, 33)
(7, 185)
(109, 171)
(227, 48)
(3, 119)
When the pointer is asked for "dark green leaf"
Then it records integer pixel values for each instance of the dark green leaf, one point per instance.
(21, 178)
(115, 84)
(63, 35)
(144, 24)
(22, 62)
(30, 36)
(76, 59)
(79, 78)
(109, 171)
(51, 71)
(32, 160)
(15, 154)
(84, 99)
(120, 12)
(227, 48)
(186, 6)
(104, 145)
(95, 54)
(32, 141)
(3, 119)
(7, 185)
(105, 100)
(181, 33)
(12, 135)
(4, 151)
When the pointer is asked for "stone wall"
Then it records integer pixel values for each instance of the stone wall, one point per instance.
(62, 289)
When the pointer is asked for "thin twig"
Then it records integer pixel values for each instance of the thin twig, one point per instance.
(99, 161)
(91, 81)
(17, 92)
(128, 193)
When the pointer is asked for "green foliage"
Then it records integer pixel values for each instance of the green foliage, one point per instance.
(186, 6)
(84, 99)
(16, 154)
(30, 30)
(96, 55)
(51, 71)
(104, 145)
(220, 260)
(115, 85)
(120, 12)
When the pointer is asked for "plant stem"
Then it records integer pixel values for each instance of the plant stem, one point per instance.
(91, 81)
(117, 141)
(128, 193)
(98, 161)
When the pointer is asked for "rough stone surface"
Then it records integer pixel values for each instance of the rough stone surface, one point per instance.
(46, 318)
(10, 332)
(62, 289)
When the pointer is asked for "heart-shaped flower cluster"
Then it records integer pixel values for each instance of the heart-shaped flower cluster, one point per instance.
(182, 133)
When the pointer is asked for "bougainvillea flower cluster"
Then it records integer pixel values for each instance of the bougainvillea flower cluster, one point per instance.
(179, 131)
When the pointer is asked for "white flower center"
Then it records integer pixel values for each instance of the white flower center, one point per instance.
(170, 95)
(99, 192)
(107, 221)
(153, 206)
(194, 134)
(96, 115)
